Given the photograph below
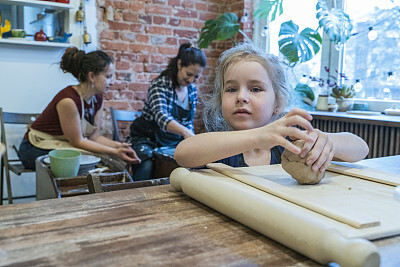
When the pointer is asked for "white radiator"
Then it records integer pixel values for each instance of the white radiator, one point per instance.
(383, 140)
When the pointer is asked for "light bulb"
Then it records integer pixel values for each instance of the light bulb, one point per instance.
(244, 18)
(304, 79)
(338, 46)
(358, 86)
(390, 80)
(372, 34)
(264, 31)
(386, 93)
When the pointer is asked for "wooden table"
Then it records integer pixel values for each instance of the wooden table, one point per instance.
(152, 226)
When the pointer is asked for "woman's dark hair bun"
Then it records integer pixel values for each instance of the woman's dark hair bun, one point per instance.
(79, 64)
(71, 61)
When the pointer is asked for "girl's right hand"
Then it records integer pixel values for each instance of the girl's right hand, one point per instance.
(128, 155)
(275, 133)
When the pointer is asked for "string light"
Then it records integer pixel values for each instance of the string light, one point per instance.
(358, 86)
(390, 80)
(386, 93)
(264, 32)
(304, 79)
(338, 46)
(372, 34)
(244, 18)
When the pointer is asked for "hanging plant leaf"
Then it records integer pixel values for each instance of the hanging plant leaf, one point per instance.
(264, 8)
(335, 22)
(222, 28)
(298, 47)
(305, 92)
(229, 26)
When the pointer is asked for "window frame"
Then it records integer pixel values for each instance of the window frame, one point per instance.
(330, 58)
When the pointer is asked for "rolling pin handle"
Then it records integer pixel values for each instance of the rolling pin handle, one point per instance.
(350, 251)
(177, 176)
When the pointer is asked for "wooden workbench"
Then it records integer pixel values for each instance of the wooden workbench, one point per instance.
(152, 226)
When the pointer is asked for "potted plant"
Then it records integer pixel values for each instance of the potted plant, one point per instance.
(344, 96)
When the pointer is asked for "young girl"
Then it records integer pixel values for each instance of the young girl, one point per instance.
(242, 117)
(73, 116)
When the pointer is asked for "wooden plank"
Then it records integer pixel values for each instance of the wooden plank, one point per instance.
(366, 173)
(278, 183)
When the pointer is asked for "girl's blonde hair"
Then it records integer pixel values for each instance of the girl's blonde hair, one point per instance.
(212, 112)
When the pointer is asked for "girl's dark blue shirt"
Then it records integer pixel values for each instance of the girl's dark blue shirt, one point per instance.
(238, 160)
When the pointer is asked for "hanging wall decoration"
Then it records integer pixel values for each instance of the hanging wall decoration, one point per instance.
(80, 14)
(86, 37)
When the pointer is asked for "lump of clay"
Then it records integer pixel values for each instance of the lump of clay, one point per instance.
(297, 167)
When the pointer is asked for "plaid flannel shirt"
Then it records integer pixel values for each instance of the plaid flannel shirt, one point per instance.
(160, 100)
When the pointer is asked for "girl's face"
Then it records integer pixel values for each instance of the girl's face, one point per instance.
(248, 99)
(189, 74)
(104, 80)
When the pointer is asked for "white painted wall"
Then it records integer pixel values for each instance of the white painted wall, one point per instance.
(30, 77)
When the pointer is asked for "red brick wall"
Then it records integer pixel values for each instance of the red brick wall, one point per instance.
(142, 36)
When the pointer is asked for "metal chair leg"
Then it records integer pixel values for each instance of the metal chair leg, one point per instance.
(9, 191)
(2, 181)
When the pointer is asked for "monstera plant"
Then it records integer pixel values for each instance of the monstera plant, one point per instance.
(296, 46)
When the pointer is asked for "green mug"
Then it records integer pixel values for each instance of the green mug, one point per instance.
(64, 162)
(18, 33)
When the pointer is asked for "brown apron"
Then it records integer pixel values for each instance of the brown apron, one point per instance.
(47, 141)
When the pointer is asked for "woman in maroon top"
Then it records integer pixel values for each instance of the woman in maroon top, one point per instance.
(72, 118)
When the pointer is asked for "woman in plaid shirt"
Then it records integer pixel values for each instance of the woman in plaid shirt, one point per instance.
(168, 114)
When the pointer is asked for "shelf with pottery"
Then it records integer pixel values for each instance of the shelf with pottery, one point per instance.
(28, 42)
(38, 3)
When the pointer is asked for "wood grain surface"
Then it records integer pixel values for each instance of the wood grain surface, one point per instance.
(152, 226)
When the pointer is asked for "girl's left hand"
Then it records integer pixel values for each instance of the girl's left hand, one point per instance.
(319, 153)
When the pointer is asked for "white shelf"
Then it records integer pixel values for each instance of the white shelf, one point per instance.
(37, 3)
(34, 43)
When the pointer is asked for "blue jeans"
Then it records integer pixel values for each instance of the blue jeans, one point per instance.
(144, 170)
(28, 153)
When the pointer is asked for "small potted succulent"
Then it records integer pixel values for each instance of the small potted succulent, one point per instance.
(344, 96)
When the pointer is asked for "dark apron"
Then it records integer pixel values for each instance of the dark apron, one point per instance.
(181, 115)
(148, 132)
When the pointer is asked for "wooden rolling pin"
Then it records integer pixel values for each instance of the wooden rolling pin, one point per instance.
(276, 218)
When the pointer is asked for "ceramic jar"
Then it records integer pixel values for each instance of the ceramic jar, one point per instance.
(40, 36)
(322, 103)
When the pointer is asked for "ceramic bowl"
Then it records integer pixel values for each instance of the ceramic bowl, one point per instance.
(64, 162)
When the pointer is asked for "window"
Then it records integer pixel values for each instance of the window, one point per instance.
(375, 63)
(372, 54)
(269, 42)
